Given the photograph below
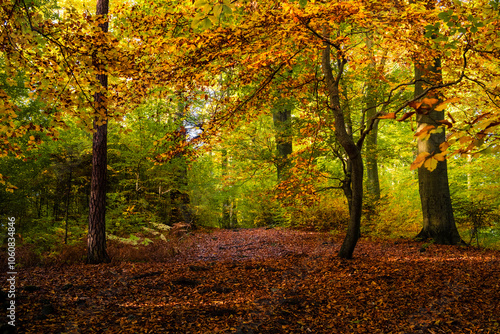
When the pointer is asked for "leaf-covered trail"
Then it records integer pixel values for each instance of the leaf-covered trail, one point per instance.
(271, 281)
(256, 244)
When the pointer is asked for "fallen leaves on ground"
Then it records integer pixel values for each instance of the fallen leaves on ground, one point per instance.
(271, 281)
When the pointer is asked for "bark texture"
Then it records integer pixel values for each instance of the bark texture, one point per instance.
(437, 211)
(282, 126)
(96, 239)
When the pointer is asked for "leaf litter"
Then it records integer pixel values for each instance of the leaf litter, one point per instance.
(270, 281)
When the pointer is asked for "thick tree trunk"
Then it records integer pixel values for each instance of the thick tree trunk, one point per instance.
(282, 127)
(438, 219)
(352, 150)
(96, 239)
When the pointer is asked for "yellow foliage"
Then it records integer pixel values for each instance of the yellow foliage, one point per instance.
(330, 213)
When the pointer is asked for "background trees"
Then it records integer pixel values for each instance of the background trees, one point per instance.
(260, 139)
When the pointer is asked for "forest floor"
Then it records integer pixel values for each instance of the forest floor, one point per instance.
(270, 281)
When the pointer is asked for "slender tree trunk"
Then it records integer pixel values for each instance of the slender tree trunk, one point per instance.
(68, 196)
(179, 197)
(282, 126)
(346, 110)
(226, 217)
(438, 219)
(373, 183)
(371, 155)
(96, 240)
(352, 150)
(40, 206)
(226, 203)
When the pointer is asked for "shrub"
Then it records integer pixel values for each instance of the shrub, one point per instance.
(391, 216)
(331, 213)
(475, 215)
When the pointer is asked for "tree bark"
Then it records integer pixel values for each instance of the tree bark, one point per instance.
(66, 214)
(96, 239)
(352, 150)
(437, 211)
(373, 183)
(282, 126)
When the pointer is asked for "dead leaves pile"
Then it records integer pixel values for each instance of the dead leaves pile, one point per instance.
(271, 281)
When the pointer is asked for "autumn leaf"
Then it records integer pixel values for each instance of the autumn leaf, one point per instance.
(464, 139)
(444, 146)
(429, 101)
(419, 160)
(440, 156)
(390, 115)
(431, 163)
(443, 104)
(447, 123)
(424, 131)
(305, 286)
(415, 105)
(406, 116)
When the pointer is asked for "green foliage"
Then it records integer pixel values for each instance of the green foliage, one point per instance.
(268, 213)
(478, 217)
(475, 187)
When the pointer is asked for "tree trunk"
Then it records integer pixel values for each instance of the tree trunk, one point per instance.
(66, 215)
(282, 126)
(373, 184)
(229, 219)
(97, 207)
(181, 212)
(438, 219)
(96, 240)
(352, 150)
(346, 110)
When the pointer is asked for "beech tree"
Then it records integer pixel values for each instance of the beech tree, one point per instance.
(352, 149)
(438, 220)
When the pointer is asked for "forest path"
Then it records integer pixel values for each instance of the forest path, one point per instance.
(256, 244)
